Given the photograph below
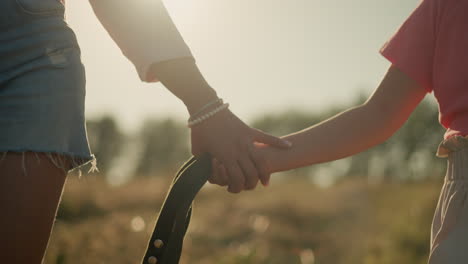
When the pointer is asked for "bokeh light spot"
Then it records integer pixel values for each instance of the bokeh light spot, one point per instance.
(137, 224)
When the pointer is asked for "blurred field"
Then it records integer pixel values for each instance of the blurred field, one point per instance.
(288, 222)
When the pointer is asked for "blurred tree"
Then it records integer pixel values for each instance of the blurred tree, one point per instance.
(106, 141)
(164, 145)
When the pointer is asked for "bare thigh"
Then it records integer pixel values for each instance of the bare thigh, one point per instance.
(30, 190)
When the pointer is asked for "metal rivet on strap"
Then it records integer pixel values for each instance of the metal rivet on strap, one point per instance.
(152, 260)
(158, 243)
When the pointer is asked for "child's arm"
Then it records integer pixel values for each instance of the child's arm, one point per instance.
(354, 130)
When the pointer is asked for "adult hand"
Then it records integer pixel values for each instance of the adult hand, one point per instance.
(268, 156)
(231, 143)
(224, 136)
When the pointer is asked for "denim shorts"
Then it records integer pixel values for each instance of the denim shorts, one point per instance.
(42, 84)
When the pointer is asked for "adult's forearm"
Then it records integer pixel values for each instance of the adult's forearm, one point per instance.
(183, 78)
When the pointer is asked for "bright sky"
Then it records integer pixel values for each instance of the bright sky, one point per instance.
(261, 56)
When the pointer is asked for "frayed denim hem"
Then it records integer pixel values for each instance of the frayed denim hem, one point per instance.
(65, 161)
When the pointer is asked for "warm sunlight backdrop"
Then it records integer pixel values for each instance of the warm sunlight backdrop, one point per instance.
(261, 56)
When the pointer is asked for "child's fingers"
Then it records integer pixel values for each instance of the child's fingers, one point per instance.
(260, 164)
(264, 177)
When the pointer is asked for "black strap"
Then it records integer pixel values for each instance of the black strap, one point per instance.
(165, 245)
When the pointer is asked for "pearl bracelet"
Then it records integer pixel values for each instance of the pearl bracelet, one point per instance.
(200, 119)
(208, 105)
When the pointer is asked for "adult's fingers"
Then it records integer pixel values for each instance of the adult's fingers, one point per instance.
(215, 175)
(236, 177)
(273, 141)
(218, 175)
(250, 172)
(224, 180)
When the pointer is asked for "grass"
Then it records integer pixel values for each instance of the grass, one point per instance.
(288, 222)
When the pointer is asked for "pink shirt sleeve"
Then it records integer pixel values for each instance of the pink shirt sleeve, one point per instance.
(143, 30)
(411, 49)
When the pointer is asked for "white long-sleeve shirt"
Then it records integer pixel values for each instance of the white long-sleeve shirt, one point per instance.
(143, 30)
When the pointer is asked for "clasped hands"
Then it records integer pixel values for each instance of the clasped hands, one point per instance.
(234, 146)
